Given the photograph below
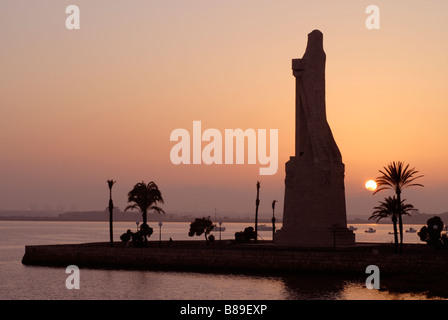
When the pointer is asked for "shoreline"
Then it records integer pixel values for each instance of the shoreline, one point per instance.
(196, 255)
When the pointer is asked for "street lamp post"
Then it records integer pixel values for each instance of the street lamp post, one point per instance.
(273, 219)
(110, 183)
(257, 203)
(160, 232)
(137, 223)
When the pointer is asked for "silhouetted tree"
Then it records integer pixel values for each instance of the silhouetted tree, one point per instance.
(201, 226)
(397, 176)
(389, 208)
(125, 237)
(110, 183)
(246, 235)
(145, 197)
(431, 233)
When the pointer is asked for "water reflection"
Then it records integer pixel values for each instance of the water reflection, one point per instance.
(337, 287)
(25, 282)
(313, 287)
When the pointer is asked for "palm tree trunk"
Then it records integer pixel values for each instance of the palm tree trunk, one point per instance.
(111, 209)
(394, 222)
(145, 221)
(400, 220)
(400, 224)
(144, 216)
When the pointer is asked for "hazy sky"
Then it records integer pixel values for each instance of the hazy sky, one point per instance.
(79, 107)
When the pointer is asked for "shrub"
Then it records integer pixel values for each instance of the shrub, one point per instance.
(246, 235)
(431, 233)
(125, 237)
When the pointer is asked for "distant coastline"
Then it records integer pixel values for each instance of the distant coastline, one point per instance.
(119, 216)
(420, 218)
(26, 215)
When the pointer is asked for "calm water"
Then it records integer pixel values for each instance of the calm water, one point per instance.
(38, 283)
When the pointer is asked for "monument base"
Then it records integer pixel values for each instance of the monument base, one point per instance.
(338, 237)
(314, 211)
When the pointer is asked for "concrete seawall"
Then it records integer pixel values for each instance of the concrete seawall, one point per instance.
(193, 256)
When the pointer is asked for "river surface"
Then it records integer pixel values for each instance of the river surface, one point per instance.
(22, 282)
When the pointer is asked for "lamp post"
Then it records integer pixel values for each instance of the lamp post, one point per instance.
(137, 223)
(110, 183)
(273, 219)
(160, 232)
(257, 203)
(220, 229)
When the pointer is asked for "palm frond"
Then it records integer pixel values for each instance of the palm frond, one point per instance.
(158, 209)
(130, 207)
(397, 176)
(381, 189)
(390, 208)
(144, 196)
(110, 183)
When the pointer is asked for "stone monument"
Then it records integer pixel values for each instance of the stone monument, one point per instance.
(314, 211)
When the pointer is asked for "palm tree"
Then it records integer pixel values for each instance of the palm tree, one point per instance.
(397, 176)
(110, 183)
(145, 197)
(389, 208)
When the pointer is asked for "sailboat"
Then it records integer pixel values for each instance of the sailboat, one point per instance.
(263, 227)
(220, 227)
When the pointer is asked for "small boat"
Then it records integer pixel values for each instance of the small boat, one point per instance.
(352, 228)
(412, 230)
(370, 230)
(263, 227)
(219, 228)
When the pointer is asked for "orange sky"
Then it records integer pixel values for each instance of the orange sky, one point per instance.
(83, 106)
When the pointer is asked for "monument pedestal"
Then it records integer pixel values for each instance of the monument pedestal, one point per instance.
(314, 207)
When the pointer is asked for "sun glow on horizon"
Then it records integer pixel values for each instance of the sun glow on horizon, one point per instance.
(371, 185)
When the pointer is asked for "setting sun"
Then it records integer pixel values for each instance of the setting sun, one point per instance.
(371, 185)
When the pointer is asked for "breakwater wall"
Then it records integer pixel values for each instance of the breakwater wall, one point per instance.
(191, 256)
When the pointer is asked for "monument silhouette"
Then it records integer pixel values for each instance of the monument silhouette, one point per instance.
(314, 211)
